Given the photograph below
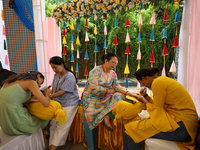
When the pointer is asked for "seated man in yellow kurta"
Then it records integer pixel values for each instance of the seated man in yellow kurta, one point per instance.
(172, 113)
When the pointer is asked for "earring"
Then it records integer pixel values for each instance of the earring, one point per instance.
(37, 81)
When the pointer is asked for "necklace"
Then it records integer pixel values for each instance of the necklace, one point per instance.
(103, 69)
(105, 74)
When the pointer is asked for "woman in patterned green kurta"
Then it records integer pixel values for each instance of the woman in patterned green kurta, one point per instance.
(101, 93)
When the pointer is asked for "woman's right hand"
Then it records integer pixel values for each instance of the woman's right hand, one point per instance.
(142, 99)
(47, 91)
(143, 91)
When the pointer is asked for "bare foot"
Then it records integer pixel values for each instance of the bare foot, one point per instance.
(106, 120)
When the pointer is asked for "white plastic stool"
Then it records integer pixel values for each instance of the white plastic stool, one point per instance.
(158, 144)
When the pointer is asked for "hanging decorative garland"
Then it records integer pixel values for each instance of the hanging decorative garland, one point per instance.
(72, 45)
(127, 52)
(105, 33)
(95, 47)
(152, 22)
(139, 41)
(105, 43)
(175, 42)
(64, 40)
(85, 7)
(115, 43)
(152, 39)
(77, 43)
(165, 52)
(64, 35)
(86, 57)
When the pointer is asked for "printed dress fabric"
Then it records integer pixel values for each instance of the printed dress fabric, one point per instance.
(95, 105)
(66, 83)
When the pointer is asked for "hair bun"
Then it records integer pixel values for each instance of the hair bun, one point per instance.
(153, 70)
(103, 57)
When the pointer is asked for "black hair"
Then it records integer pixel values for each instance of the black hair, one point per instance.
(31, 75)
(107, 56)
(6, 72)
(58, 61)
(143, 72)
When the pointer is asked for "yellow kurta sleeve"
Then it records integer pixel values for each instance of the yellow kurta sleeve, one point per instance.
(151, 101)
(164, 122)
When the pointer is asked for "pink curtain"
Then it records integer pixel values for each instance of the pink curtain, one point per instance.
(53, 43)
(194, 55)
(189, 52)
(184, 44)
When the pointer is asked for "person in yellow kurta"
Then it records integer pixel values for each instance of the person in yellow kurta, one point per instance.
(172, 113)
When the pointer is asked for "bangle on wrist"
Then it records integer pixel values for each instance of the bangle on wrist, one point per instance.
(126, 92)
(145, 95)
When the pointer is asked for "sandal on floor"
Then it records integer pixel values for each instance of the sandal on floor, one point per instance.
(107, 127)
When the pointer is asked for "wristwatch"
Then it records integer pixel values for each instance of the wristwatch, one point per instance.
(145, 95)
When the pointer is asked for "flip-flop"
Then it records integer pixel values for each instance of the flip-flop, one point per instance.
(107, 127)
